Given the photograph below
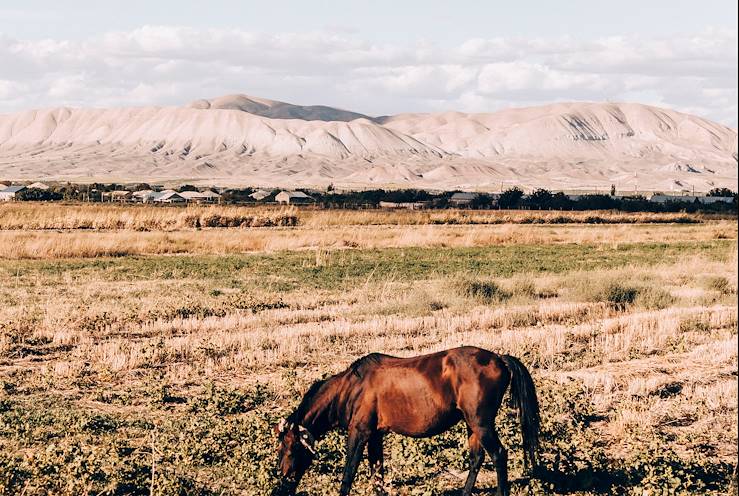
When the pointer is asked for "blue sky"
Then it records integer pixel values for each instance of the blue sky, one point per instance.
(375, 57)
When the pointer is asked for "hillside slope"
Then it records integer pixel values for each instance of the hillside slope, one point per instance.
(246, 140)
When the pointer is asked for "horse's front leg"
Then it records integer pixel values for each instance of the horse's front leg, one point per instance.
(376, 460)
(355, 443)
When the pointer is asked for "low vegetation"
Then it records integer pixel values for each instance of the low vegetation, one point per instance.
(40, 231)
(96, 216)
(30, 216)
(160, 374)
(512, 198)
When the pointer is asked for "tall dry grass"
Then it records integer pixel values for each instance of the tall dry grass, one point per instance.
(40, 216)
(34, 216)
(474, 217)
(18, 244)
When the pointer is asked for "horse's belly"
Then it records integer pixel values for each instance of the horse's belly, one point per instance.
(417, 415)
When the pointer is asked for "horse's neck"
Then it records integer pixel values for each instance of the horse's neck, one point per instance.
(319, 415)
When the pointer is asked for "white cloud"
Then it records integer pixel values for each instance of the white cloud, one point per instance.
(523, 76)
(170, 65)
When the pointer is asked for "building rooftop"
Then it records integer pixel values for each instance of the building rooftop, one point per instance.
(167, 194)
(13, 189)
(192, 195)
(464, 196)
(296, 194)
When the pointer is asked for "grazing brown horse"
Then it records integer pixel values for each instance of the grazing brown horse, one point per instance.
(417, 397)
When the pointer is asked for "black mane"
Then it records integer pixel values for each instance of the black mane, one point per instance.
(297, 416)
(359, 367)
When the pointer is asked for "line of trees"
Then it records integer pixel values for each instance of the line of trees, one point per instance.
(513, 198)
(75, 192)
(542, 199)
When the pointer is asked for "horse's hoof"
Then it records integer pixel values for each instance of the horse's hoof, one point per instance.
(284, 489)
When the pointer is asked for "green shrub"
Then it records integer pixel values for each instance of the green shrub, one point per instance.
(620, 296)
(694, 324)
(654, 298)
(721, 285)
(652, 468)
(524, 288)
(615, 293)
(484, 291)
(527, 289)
(98, 424)
(222, 401)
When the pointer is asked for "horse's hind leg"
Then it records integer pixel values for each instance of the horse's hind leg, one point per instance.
(376, 461)
(499, 455)
(477, 455)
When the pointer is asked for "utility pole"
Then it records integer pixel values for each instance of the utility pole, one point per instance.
(636, 189)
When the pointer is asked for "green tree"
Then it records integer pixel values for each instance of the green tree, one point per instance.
(510, 198)
(725, 192)
(541, 199)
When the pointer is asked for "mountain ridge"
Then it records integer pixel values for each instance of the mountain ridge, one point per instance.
(256, 141)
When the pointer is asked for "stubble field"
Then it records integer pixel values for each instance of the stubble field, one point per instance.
(156, 360)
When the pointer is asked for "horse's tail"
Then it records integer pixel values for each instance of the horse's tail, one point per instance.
(523, 398)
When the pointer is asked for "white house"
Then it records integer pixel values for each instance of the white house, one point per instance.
(144, 196)
(120, 195)
(210, 196)
(169, 196)
(405, 205)
(293, 198)
(10, 192)
(206, 196)
(260, 194)
(38, 186)
(705, 200)
(462, 199)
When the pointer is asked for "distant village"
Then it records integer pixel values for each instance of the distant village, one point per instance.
(38, 191)
(720, 199)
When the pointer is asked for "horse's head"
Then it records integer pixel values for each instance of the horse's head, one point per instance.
(294, 456)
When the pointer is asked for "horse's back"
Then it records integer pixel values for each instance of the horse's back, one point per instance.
(438, 366)
(425, 395)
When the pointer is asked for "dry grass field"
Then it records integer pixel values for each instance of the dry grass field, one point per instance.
(34, 216)
(46, 244)
(155, 360)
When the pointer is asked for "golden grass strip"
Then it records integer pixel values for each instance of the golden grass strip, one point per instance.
(32, 216)
(85, 244)
(39, 216)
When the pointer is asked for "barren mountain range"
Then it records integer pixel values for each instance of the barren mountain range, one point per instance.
(242, 140)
